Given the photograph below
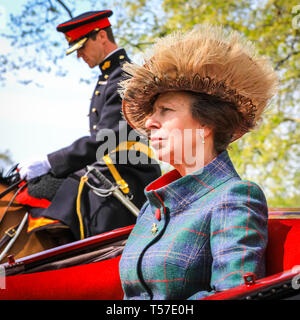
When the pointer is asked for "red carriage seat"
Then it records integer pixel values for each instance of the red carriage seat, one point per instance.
(101, 280)
(283, 250)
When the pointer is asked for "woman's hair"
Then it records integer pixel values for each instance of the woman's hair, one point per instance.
(223, 117)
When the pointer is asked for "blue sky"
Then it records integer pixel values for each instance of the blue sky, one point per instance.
(38, 120)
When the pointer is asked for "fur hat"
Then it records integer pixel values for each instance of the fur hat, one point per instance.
(208, 60)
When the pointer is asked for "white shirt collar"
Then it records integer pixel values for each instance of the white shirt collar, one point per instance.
(111, 53)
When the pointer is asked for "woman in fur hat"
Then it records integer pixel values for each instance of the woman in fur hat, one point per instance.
(203, 228)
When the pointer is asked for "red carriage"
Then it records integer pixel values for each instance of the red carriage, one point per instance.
(88, 269)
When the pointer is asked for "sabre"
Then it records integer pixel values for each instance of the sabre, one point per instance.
(111, 189)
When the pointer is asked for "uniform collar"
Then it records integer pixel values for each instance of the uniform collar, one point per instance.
(113, 60)
(175, 192)
(112, 52)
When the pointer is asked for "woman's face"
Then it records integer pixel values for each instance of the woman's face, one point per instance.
(175, 135)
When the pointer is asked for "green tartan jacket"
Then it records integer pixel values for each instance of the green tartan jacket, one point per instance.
(196, 235)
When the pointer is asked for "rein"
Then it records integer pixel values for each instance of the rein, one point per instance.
(10, 188)
(11, 235)
(12, 175)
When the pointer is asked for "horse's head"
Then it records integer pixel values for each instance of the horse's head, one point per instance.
(10, 177)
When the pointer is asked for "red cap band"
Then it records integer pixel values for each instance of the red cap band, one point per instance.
(77, 33)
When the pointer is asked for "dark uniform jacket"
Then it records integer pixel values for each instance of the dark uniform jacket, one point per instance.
(99, 214)
(105, 112)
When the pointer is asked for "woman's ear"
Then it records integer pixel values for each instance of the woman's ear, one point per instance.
(206, 131)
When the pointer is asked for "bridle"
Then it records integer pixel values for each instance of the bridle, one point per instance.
(14, 178)
(12, 234)
(10, 188)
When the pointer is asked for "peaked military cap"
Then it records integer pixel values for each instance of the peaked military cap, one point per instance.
(78, 29)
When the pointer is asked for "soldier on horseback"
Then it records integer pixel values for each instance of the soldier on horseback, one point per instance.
(56, 178)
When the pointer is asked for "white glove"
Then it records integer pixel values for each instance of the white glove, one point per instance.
(34, 168)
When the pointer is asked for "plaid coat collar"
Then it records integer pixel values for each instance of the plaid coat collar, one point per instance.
(176, 192)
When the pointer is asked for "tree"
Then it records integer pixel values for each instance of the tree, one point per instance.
(269, 156)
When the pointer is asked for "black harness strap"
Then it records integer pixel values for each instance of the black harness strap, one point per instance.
(9, 234)
(10, 188)
(12, 199)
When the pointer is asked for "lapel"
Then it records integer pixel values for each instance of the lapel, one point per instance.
(175, 192)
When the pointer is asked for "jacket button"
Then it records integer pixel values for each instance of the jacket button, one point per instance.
(97, 93)
(158, 214)
(94, 127)
(94, 110)
(106, 76)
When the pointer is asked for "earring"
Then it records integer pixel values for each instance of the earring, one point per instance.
(201, 133)
(202, 136)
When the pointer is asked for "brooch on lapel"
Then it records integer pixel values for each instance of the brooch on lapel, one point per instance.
(154, 229)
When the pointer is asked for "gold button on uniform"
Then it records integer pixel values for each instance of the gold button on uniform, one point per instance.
(94, 127)
(106, 76)
(94, 110)
(122, 57)
(97, 93)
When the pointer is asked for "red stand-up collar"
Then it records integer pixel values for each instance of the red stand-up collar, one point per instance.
(164, 180)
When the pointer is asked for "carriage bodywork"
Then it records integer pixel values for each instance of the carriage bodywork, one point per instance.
(88, 269)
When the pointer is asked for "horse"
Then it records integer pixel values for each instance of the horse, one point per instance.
(15, 241)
